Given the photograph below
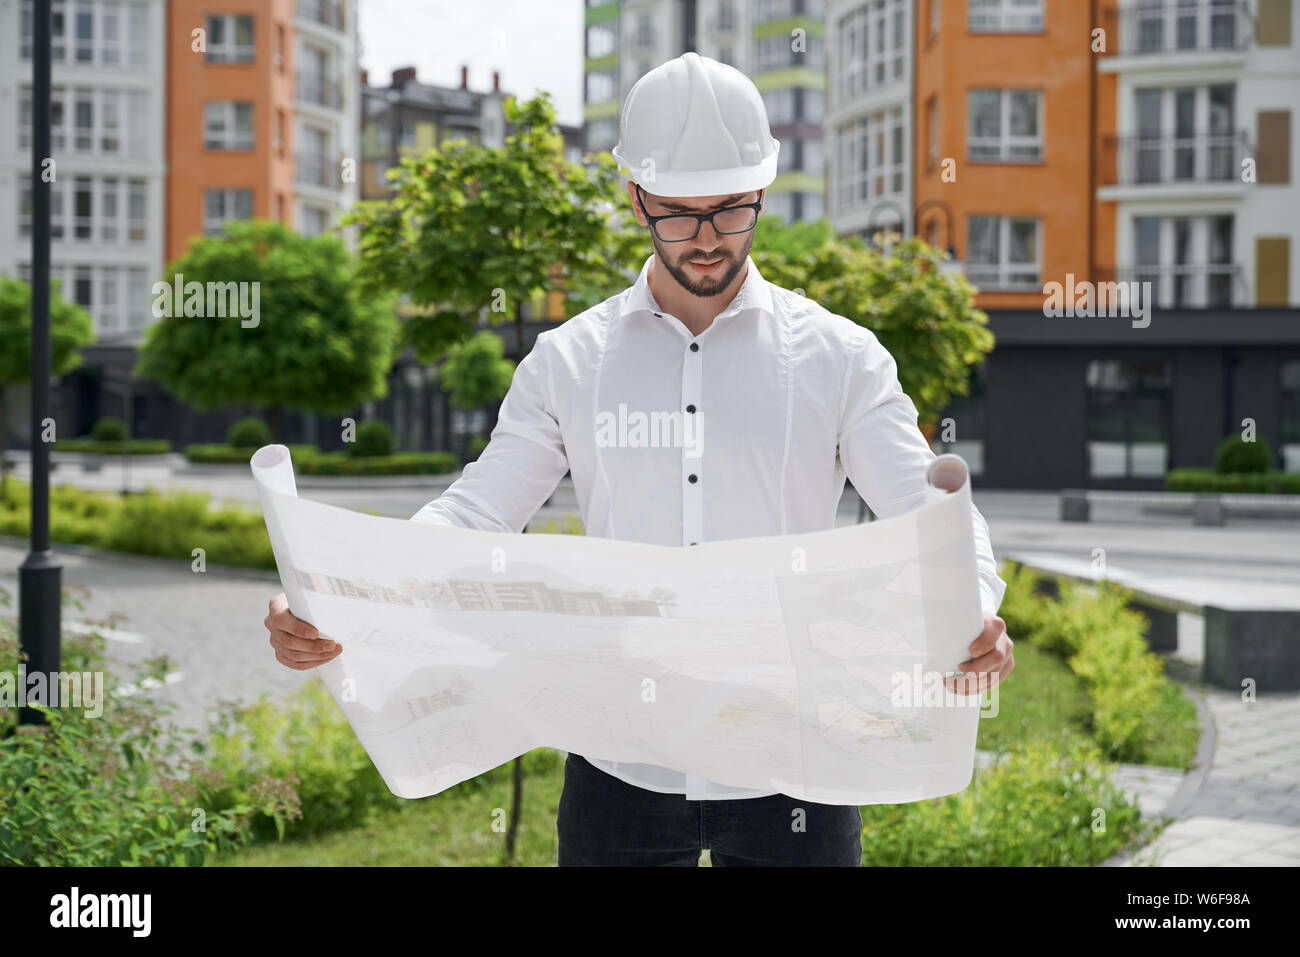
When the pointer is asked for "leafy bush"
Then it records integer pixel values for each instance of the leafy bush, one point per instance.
(373, 439)
(1205, 480)
(113, 789)
(108, 430)
(1235, 456)
(249, 432)
(1035, 806)
(305, 742)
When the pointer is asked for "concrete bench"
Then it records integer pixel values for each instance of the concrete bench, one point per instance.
(1249, 631)
(1207, 508)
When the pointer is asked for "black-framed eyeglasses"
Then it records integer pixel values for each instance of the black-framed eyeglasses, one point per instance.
(679, 227)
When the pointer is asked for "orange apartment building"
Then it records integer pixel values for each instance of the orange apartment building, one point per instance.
(1008, 129)
(229, 119)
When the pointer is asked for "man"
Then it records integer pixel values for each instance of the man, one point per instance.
(783, 399)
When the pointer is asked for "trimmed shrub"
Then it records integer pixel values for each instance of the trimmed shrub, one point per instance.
(249, 432)
(129, 447)
(402, 463)
(1205, 480)
(108, 430)
(1236, 456)
(212, 454)
(373, 439)
(1036, 806)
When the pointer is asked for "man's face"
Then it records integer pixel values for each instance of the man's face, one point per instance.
(705, 265)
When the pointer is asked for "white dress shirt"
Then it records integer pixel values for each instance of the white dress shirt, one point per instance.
(776, 400)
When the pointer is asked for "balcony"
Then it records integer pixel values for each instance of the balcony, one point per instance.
(1151, 28)
(320, 90)
(1139, 160)
(315, 171)
(1185, 286)
(327, 13)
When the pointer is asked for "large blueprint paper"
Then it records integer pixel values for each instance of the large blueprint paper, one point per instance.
(807, 664)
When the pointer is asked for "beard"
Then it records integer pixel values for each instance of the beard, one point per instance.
(704, 286)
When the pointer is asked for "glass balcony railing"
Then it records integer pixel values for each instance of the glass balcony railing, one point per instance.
(1161, 160)
(326, 12)
(321, 90)
(1154, 27)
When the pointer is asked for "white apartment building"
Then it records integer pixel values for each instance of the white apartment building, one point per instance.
(107, 111)
(327, 105)
(869, 116)
(1203, 168)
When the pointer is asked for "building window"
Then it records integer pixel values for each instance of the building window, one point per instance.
(726, 16)
(873, 46)
(1184, 26)
(602, 39)
(86, 209)
(932, 131)
(871, 158)
(230, 38)
(223, 205)
(1006, 126)
(779, 205)
(780, 105)
(777, 53)
(91, 32)
(314, 220)
(97, 120)
(727, 55)
(1004, 253)
(228, 126)
(1290, 450)
(1128, 419)
(602, 85)
(1187, 259)
(601, 134)
(1004, 16)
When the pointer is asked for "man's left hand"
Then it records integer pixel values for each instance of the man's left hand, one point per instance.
(990, 662)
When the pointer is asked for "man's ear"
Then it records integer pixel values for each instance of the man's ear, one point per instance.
(636, 206)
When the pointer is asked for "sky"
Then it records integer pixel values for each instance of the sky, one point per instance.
(535, 44)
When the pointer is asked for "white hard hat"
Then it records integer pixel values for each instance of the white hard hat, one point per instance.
(696, 127)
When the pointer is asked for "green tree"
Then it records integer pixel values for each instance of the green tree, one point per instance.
(474, 232)
(924, 316)
(71, 330)
(318, 343)
(476, 372)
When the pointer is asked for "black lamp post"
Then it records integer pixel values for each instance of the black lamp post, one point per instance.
(40, 574)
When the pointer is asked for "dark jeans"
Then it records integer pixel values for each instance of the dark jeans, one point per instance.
(604, 821)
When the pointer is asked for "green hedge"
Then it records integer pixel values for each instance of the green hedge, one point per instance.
(1207, 480)
(133, 446)
(165, 524)
(1138, 715)
(402, 463)
(222, 454)
(1036, 806)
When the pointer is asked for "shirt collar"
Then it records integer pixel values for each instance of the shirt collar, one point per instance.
(754, 293)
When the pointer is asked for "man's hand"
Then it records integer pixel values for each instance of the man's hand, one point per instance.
(297, 644)
(991, 660)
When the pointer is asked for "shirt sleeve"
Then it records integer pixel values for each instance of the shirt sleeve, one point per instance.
(886, 456)
(522, 464)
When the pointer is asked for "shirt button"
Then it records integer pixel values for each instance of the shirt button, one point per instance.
(692, 479)
(695, 347)
(690, 408)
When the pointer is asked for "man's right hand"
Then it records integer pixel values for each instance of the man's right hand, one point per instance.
(297, 644)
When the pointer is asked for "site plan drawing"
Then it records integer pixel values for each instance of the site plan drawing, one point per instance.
(805, 664)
